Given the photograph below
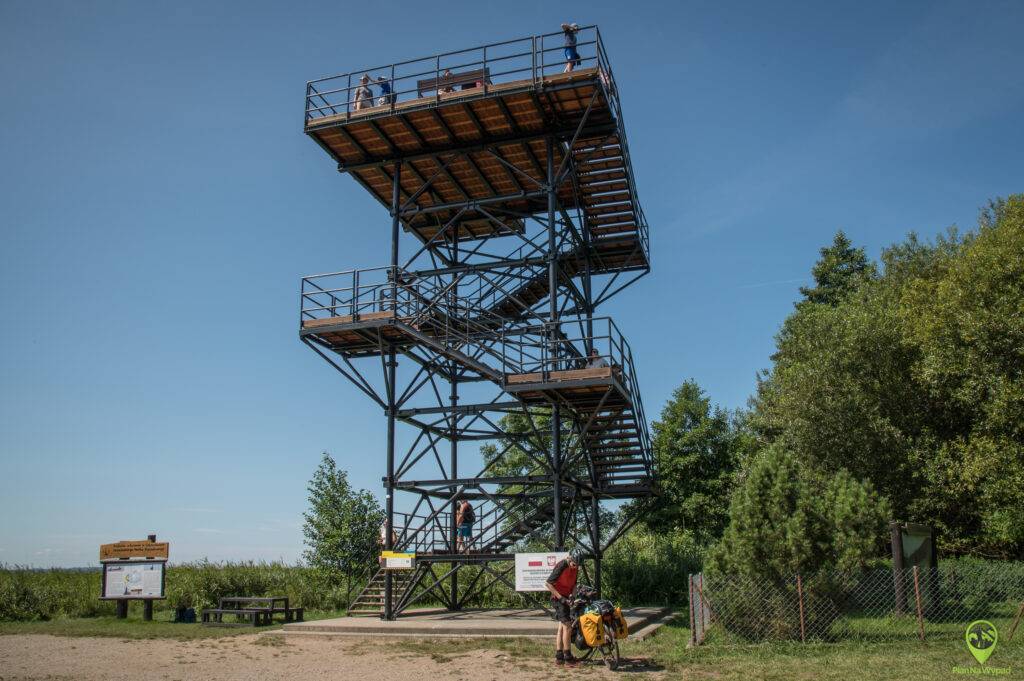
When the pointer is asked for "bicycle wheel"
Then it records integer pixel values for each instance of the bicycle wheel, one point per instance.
(610, 651)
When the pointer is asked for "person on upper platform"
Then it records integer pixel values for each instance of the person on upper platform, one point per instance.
(363, 95)
(386, 95)
(447, 87)
(572, 57)
(595, 360)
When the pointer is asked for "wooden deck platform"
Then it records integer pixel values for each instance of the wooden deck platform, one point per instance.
(582, 388)
(361, 336)
(445, 136)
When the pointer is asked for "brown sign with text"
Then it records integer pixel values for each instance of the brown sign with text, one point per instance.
(135, 549)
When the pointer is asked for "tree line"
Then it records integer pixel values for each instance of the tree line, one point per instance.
(896, 391)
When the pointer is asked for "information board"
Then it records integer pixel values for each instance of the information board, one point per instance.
(397, 560)
(136, 579)
(533, 569)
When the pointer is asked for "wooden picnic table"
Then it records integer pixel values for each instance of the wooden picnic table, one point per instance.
(259, 609)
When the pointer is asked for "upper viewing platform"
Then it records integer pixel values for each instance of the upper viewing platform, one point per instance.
(474, 127)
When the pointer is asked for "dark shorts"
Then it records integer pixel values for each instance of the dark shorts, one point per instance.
(572, 55)
(562, 612)
(466, 530)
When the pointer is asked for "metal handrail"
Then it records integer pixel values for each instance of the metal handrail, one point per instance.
(463, 324)
(322, 93)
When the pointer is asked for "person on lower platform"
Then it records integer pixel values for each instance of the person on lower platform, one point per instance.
(464, 518)
(561, 583)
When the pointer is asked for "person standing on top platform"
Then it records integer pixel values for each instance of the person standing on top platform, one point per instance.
(572, 57)
(363, 95)
(386, 96)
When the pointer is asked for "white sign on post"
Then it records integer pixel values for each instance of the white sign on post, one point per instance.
(398, 560)
(532, 569)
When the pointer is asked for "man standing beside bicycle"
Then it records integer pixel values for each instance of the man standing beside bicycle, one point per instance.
(561, 583)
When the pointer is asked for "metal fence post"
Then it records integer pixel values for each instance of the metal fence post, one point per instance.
(800, 598)
(703, 615)
(693, 629)
(917, 598)
(1016, 621)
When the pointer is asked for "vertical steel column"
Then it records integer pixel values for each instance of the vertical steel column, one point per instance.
(595, 541)
(556, 416)
(389, 483)
(454, 471)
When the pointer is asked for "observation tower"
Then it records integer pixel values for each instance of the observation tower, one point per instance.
(514, 217)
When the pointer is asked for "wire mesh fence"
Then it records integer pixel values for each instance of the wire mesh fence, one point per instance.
(874, 605)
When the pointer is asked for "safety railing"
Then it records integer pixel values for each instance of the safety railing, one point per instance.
(353, 294)
(578, 343)
(435, 305)
(573, 344)
(474, 71)
(497, 525)
(422, 533)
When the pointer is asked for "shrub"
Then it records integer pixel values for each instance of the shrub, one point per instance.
(785, 520)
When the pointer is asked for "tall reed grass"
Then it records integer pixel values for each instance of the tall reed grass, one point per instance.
(45, 594)
(640, 569)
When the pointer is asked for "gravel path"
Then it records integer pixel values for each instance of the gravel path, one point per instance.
(255, 658)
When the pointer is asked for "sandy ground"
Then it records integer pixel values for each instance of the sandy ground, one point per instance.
(247, 658)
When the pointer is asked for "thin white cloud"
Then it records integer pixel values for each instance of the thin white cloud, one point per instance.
(772, 283)
(956, 66)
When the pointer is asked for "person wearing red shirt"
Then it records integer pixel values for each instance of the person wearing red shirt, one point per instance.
(561, 583)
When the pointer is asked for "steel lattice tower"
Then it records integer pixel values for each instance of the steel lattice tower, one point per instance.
(511, 180)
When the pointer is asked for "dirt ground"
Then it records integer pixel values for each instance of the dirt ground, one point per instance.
(256, 658)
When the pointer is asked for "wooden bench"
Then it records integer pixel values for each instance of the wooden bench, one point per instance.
(464, 80)
(256, 616)
(266, 603)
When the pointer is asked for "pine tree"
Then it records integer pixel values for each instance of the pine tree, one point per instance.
(838, 272)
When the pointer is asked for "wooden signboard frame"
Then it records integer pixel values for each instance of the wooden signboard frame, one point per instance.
(135, 549)
(147, 551)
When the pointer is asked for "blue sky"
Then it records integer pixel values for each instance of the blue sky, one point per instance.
(159, 204)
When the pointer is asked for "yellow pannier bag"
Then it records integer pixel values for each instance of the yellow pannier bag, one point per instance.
(621, 628)
(592, 628)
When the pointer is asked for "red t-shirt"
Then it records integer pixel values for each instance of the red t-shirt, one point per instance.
(563, 578)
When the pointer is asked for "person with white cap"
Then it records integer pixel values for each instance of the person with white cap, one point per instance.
(363, 94)
(572, 57)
